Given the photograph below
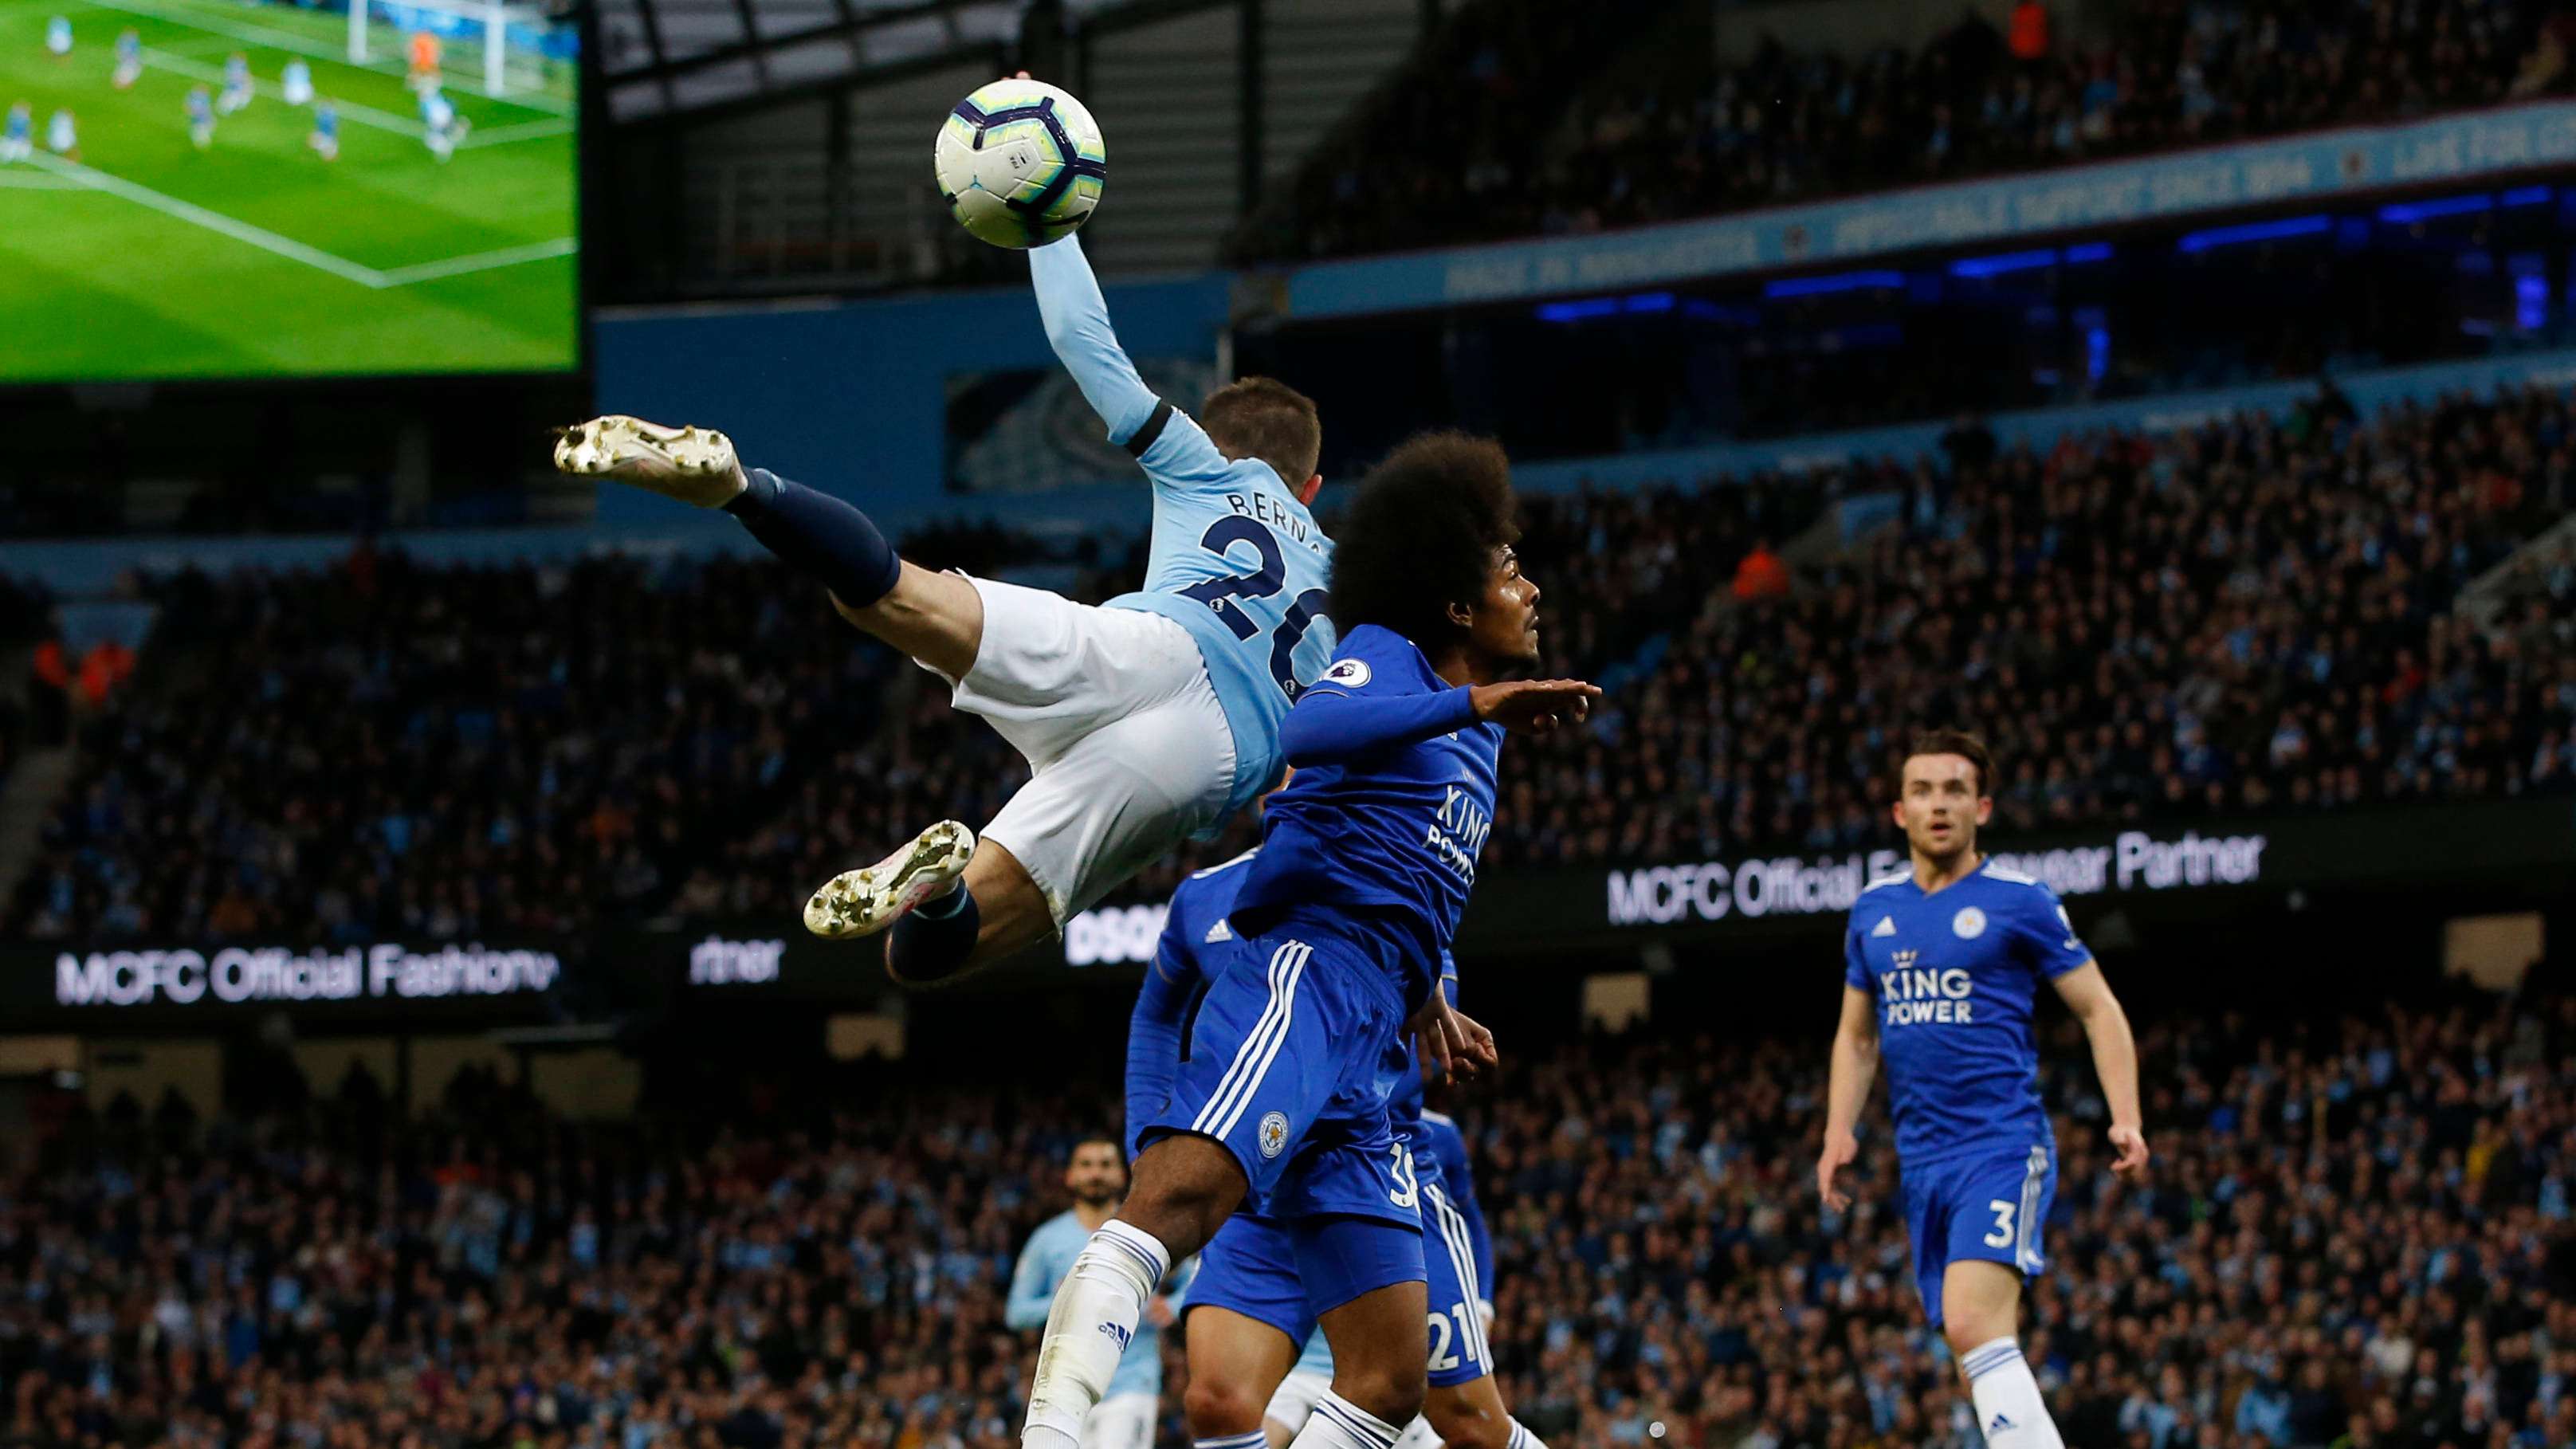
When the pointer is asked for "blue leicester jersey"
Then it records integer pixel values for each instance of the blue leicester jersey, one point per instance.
(1235, 558)
(1955, 974)
(1380, 831)
(1042, 1266)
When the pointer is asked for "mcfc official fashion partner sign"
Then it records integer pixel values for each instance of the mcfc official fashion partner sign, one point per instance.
(243, 975)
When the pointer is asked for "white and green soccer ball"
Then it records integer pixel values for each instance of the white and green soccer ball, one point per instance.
(1020, 163)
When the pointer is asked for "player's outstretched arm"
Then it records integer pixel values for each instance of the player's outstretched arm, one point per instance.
(1855, 1067)
(1328, 725)
(1077, 327)
(1535, 706)
(2115, 1060)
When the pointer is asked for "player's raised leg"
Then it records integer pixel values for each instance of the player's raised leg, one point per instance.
(933, 618)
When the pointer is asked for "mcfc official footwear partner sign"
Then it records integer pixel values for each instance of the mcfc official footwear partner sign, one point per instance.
(243, 975)
(1796, 885)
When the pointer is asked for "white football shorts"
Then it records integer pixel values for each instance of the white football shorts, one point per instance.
(1129, 752)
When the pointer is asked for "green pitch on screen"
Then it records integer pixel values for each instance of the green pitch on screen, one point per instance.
(147, 258)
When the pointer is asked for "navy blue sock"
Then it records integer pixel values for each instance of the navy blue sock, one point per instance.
(933, 940)
(819, 536)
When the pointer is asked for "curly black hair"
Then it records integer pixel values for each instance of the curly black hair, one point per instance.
(1420, 534)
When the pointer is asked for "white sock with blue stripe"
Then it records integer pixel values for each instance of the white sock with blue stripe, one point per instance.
(2009, 1409)
(1094, 1315)
(1257, 1439)
(1337, 1423)
(1420, 1435)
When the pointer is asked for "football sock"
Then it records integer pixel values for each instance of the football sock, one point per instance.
(934, 938)
(1095, 1313)
(1420, 1435)
(1253, 1440)
(2007, 1398)
(818, 535)
(1337, 1423)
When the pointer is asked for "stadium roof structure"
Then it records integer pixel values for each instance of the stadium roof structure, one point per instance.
(664, 56)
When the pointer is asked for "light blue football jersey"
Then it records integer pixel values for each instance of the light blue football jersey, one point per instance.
(1042, 1266)
(1235, 559)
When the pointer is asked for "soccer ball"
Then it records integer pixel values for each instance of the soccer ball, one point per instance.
(1020, 163)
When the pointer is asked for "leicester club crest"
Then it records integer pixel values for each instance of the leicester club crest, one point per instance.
(1274, 1133)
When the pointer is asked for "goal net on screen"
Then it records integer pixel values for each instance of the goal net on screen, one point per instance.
(507, 49)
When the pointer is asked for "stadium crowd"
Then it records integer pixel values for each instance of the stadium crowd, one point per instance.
(2251, 616)
(2356, 1234)
(2254, 615)
(1504, 135)
(388, 748)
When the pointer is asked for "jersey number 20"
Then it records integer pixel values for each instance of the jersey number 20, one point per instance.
(1272, 576)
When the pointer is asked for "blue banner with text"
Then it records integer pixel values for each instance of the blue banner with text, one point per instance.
(2318, 166)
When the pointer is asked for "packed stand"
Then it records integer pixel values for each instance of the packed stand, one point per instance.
(386, 748)
(2254, 616)
(1666, 133)
(2355, 1233)
(1645, 556)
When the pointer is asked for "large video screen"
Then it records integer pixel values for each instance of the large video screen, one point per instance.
(259, 188)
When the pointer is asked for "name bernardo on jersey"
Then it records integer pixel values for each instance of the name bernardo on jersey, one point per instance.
(1263, 509)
